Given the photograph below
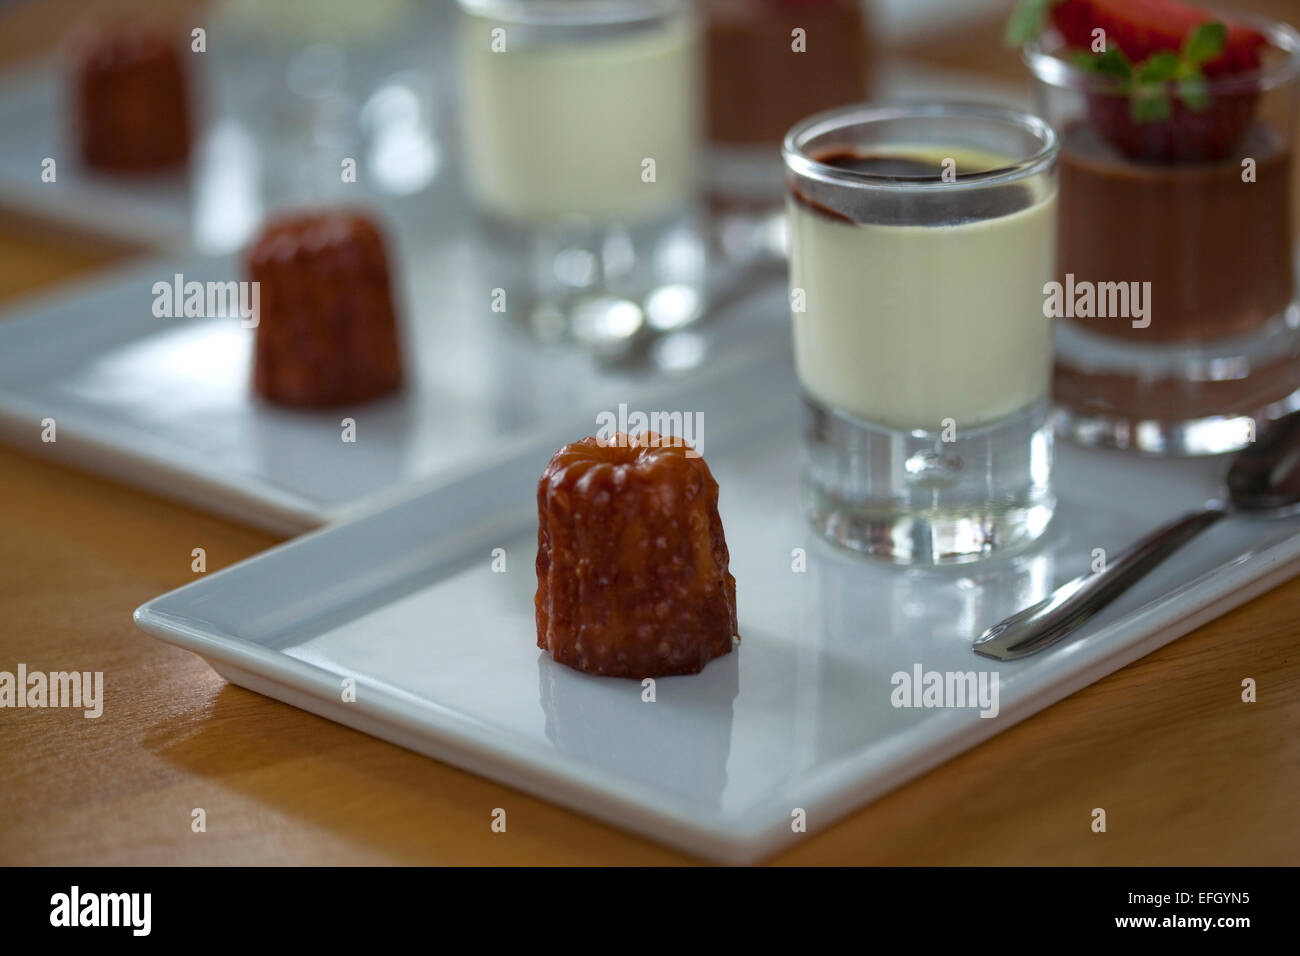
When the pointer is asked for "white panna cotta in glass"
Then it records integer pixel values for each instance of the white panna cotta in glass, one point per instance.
(586, 108)
(910, 325)
(922, 240)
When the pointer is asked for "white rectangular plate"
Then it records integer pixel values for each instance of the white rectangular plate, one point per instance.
(442, 647)
(167, 403)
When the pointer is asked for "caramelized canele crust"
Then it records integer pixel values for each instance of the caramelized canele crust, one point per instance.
(632, 565)
(130, 96)
(326, 332)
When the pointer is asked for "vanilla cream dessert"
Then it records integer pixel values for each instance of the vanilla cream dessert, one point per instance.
(908, 325)
(563, 118)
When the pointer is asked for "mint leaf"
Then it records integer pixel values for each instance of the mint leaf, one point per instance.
(1111, 63)
(1160, 68)
(1152, 93)
(1027, 21)
(1114, 63)
(1194, 93)
(1205, 43)
(1151, 103)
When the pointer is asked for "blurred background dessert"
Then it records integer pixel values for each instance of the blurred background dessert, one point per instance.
(772, 63)
(559, 112)
(326, 324)
(129, 98)
(580, 128)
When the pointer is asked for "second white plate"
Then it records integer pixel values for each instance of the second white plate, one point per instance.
(167, 403)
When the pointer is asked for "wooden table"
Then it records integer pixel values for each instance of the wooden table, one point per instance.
(1187, 773)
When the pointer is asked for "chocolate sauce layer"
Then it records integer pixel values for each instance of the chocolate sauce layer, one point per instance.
(920, 169)
(1216, 249)
(758, 86)
(938, 208)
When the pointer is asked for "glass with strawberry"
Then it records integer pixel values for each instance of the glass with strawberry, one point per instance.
(1178, 331)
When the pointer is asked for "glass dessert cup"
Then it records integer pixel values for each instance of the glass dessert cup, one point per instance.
(920, 242)
(580, 139)
(1200, 207)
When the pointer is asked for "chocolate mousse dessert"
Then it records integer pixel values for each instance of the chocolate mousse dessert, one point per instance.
(758, 86)
(1175, 177)
(1216, 252)
(1151, 176)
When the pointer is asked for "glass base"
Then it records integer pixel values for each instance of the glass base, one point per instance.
(1175, 399)
(605, 286)
(1186, 438)
(911, 497)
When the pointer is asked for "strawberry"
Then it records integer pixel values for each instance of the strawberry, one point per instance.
(1160, 60)
(1141, 28)
(1162, 110)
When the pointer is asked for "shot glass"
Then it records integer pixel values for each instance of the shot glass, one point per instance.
(921, 240)
(580, 151)
(1179, 330)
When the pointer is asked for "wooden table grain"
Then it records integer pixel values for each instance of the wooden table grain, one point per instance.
(1187, 772)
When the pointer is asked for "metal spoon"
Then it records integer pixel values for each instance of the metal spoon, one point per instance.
(1263, 479)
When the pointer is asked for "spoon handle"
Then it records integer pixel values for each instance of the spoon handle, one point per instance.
(1057, 615)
